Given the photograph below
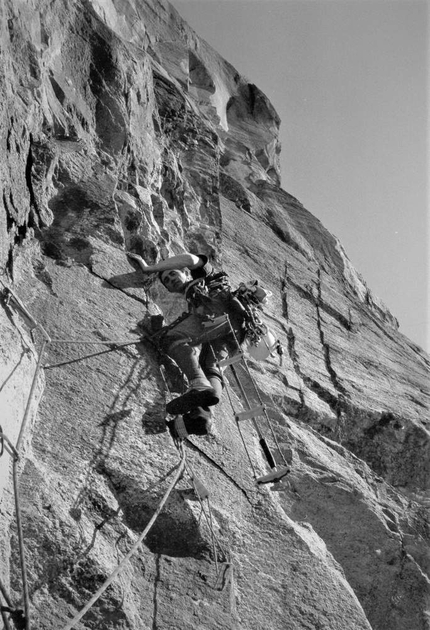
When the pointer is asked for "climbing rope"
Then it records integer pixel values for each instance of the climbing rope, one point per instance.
(202, 495)
(16, 489)
(22, 618)
(4, 610)
(7, 445)
(109, 342)
(10, 296)
(16, 614)
(117, 346)
(8, 608)
(22, 621)
(179, 434)
(180, 469)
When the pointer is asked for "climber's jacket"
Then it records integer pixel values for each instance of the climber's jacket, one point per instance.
(209, 294)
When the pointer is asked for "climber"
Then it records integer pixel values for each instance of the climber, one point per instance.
(208, 295)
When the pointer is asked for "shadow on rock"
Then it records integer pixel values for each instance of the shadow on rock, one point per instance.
(129, 280)
(154, 419)
(175, 532)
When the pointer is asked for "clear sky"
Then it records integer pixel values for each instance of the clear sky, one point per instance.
(349, 79)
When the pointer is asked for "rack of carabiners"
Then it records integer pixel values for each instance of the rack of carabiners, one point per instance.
(253, 412)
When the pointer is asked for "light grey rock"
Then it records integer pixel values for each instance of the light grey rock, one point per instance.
(122, 130)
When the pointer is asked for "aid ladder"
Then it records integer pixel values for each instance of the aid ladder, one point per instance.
(251, 412)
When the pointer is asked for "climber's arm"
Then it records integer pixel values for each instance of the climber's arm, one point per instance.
(181, 261)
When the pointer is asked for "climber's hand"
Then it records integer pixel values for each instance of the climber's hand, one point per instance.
(142, 264)
(137, 258)
(134, 256)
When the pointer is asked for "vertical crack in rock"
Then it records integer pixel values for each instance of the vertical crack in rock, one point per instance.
(336, 405)
(295, 361)
(333, 401)
(332, 372)
(28, 176)
(284, 292)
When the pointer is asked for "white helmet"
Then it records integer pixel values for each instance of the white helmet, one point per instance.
(263, 348)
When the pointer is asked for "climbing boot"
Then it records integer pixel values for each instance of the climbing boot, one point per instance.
(199, 394)
(198, 421)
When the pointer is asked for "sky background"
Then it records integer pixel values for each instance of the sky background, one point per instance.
(349, 80)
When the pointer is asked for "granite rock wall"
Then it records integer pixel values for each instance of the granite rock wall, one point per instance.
(121, 130)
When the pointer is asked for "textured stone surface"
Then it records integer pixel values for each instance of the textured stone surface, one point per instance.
(121, 130)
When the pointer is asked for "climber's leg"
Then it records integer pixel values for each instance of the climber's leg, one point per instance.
(199, 366)
(198, 421)
(200, 392)
(210, 354)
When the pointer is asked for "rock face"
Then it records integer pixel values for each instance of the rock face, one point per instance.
(122, 130)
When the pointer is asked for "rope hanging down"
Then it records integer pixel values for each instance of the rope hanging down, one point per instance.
(102, 589)
(116, 346)
(22, 618)
(23, 621)
(179, 435)
(201, 492)
(202, 496)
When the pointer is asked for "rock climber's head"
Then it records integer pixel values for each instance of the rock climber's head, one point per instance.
(175, 280)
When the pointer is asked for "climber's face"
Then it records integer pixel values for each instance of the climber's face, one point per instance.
(174, 280)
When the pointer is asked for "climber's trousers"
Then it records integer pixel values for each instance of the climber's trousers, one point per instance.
(195, 359)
